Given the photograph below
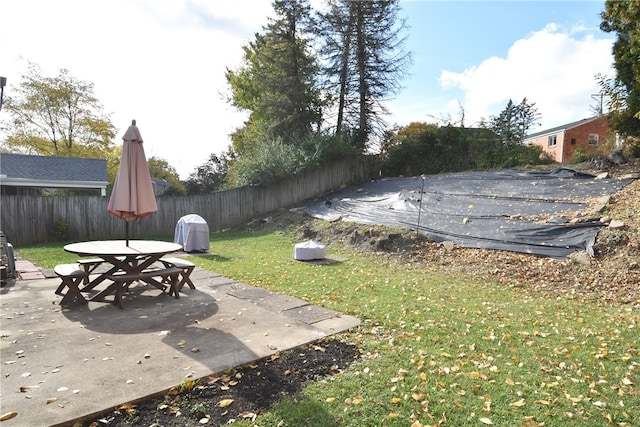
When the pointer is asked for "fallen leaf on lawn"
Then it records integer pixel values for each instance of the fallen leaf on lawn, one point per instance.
(517, 403)
(8, 415)
(392, 415)
(330, 399)
(247, 414)
(627, 381)
(486, 421)
(357, 400)
(396, 400)
(224, 403)
(204, 420)
(287, 372)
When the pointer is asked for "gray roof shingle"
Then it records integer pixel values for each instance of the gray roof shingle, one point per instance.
(30, 167)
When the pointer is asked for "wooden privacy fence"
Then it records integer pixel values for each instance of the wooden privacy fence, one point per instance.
(29, 220)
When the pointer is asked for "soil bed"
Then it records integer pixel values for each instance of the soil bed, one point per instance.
(240, 393)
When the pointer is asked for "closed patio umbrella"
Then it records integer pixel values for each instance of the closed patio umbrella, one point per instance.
(132, 196)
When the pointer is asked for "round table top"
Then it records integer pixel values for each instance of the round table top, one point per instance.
(120, 247)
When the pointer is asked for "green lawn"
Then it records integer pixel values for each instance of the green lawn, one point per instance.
(440, 348)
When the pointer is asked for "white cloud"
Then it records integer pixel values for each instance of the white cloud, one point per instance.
(550, 67)
(161, 62)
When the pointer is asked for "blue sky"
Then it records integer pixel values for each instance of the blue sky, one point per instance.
(480, 54)
(162, 62)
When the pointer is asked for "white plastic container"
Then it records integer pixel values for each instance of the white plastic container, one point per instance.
(309, 250)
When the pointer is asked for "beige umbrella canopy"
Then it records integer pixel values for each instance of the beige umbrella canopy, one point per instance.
(132, 196)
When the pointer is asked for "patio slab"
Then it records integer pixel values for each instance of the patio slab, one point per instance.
(60, 365)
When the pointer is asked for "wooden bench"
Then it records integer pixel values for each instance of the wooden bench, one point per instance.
(71, 275)
(186, 268)
(122, 281)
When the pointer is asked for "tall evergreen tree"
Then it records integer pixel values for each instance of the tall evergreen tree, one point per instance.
(513, 123)
(277, 82)
(365, 62)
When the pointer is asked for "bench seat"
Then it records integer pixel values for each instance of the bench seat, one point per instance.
(71, 275)
(121, 282)
(186, 268)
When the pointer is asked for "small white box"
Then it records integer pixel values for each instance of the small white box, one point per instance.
(309, 250)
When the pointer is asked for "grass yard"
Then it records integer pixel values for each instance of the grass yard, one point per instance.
(446, 349)
(440, 349)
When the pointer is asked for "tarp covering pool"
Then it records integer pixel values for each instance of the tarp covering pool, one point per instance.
(511, 210)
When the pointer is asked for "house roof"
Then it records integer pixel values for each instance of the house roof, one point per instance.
(562, 127)
(25, 170)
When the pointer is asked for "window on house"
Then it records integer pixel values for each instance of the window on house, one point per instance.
(552, 141)
(594, 138)
(573, 141)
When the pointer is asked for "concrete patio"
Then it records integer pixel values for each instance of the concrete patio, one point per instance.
(64, 364)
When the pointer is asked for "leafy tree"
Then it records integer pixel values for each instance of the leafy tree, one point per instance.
(160, 169)
(365, 62)
(513, 123)
(271, 161)
(209, 177)
(57, 116)
(428, 148)
(277, 82)
(622, 18)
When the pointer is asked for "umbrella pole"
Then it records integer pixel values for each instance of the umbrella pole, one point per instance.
(127, 232)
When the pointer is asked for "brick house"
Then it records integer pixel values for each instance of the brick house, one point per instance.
(561, 143)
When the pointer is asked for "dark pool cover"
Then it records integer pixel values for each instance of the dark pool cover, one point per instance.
(491, 210)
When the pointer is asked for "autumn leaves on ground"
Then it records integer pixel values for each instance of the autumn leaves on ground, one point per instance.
(449, 337)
